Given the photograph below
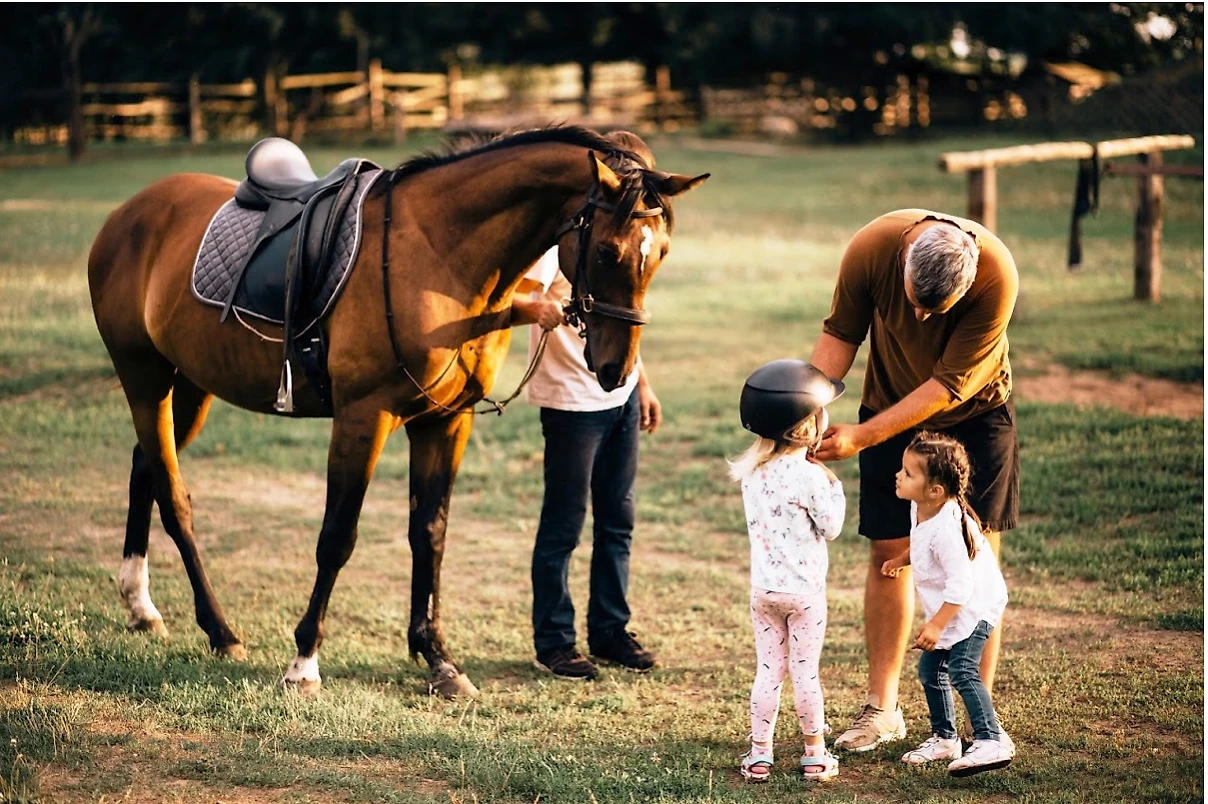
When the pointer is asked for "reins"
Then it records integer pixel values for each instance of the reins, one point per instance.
(576, 309)
(496, 407)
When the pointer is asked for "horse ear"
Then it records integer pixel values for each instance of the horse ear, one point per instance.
(672, 184)
(609, 182)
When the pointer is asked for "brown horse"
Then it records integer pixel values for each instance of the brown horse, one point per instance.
(447, 240)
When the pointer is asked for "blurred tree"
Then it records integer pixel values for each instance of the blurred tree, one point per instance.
(45, 45)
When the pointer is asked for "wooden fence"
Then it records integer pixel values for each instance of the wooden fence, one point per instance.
(982, 169)
(378, 101)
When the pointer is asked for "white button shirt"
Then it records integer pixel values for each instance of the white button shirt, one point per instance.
(943, 573)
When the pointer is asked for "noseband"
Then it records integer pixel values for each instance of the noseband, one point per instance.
(581, 301)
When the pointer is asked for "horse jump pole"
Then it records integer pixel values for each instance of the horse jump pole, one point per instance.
(983, 188)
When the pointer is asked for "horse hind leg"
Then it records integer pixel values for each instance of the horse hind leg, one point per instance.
(154, 403)
(189, 408)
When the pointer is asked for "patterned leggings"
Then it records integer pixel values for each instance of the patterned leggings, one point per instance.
(788, 640)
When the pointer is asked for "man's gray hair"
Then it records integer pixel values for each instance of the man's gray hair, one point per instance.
(940, 264)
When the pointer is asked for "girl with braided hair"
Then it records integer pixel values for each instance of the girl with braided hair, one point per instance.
(963, 596)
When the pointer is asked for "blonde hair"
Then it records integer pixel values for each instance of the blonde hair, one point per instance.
(805, 435)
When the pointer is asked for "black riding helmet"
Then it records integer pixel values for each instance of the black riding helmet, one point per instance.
(781, 394)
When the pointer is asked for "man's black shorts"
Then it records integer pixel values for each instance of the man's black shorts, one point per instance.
(993, 446)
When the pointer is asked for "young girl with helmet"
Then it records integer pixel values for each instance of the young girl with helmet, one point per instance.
(794, 506)
(963, 594)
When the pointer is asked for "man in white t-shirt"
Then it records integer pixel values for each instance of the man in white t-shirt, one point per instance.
(591, 451)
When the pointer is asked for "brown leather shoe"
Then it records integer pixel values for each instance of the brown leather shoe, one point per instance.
(625, 651)
(567, 663)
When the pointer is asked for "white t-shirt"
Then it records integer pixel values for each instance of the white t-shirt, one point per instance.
(562, 380)
(943, 573)
(793, 509)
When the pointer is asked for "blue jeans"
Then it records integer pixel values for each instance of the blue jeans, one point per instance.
(960, 665)
(586, 453)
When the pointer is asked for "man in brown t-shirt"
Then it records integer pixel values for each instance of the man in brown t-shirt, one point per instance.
(936, 292)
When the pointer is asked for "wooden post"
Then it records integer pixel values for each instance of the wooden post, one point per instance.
(455, 109)
(196, 132)
(275, 104)
(377, 108)
(983, 196)
(1148, 285)
(398, 101)
(662, 95)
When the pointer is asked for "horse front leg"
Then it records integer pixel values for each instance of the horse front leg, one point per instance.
(358, 433)
(436, 451)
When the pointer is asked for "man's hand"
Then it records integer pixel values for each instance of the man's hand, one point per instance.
(928, 636)
(548, 314)
(841, 441)
(651, 409)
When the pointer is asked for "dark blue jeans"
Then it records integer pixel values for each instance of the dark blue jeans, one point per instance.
(960, 665)
(587, 454)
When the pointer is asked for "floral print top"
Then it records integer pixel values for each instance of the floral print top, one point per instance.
(793, 509)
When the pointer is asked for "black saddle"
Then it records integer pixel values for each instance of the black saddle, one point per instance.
(295, 238)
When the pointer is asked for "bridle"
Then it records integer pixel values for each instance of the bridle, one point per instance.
(575, 310)
(581, 301)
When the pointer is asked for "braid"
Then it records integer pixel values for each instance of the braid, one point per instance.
(948, 466)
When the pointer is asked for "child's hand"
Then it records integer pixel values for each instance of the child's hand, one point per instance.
(891, 568)
(928, 636)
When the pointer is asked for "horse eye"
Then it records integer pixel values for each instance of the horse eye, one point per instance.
(608, 254)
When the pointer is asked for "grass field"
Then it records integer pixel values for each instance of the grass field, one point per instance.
(1101, 683)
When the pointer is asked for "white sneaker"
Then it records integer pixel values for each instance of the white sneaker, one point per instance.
(982, 756)
(1006, 738)
(933, 749)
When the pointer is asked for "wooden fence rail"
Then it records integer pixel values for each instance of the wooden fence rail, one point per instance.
(374, 101)
(982, 168)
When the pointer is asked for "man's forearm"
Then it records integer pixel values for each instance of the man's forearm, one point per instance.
(833, 357)
(524, 311)
(920, 405)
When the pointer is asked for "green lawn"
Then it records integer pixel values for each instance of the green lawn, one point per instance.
(1102, 675)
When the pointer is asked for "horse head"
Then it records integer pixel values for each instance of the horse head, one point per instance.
(622, 234)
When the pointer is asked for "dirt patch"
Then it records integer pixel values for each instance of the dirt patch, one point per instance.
(1132, 393)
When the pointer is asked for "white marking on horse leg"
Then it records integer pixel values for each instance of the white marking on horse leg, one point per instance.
(303, 668)
(134, 582)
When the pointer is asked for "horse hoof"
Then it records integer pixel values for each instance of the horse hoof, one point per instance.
(235, 652)
(453, 687)
(152, 626)
(304, 687)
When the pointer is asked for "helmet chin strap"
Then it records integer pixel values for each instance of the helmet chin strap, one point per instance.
(821, 423)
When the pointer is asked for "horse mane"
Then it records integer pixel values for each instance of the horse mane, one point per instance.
(638, 181)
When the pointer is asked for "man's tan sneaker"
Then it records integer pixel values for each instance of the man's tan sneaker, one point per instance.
(872, 727)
